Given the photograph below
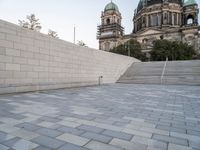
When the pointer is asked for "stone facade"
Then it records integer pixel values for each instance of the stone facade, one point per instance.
(31, 61)
(110, 32)
(157, 19)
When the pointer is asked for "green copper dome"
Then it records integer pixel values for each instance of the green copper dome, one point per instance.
(111, 6)
(189, 2)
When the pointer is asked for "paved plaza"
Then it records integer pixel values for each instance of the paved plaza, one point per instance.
(110, 117)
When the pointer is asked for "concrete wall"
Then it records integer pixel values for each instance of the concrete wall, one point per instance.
(31, 61)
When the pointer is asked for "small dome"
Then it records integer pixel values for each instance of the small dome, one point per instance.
(190, 2)
(111, 6)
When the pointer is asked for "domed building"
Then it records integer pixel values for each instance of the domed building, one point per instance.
(110, 31)
(153, 19)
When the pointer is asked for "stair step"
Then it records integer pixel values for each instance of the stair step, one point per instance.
(177, 72)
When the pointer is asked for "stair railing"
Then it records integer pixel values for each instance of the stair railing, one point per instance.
(163, 71)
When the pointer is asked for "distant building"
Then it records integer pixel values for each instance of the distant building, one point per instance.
(153, 19)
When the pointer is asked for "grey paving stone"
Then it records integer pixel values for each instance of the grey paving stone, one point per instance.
(97, 137)
(104, 121)
(168, 128)
(71, 147)
(2, 147)
(94, 145)
(73, 139)
(20, 144)
(28, 126)
(27, 135)
(5, 137)
(46, 124)
(178, 147)
(50, 119)
(11, 142)
(192, 132)
(70, 130)
(128, 145)
(48, 132)
(24, 144)
(91, 128)
(16, 116)
(169, 139)
(42, 148)
(195, 143)
(150, 142)
(48, 142)
(173, 109)
(120, 124)
(119, 135)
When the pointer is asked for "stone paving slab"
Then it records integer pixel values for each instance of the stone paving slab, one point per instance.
(111, 117)
(74, 139)
(48, 142)
(97, 137)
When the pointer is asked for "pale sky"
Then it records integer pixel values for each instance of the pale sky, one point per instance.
(62, 15)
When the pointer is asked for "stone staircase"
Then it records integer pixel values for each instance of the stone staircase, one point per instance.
(175, 72)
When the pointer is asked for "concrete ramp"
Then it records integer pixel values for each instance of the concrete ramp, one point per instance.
(171, 72)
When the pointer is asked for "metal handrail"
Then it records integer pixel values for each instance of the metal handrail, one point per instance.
(163, 71)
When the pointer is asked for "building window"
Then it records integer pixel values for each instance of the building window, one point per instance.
(149, 18)
(165, 18)
(159, 19)
(190, 20)
(170, 18)
(108, 21)
(175, 19)
(154, 20)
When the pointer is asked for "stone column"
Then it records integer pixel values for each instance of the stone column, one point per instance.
(149, 20)
(135, 26)
(172, 19)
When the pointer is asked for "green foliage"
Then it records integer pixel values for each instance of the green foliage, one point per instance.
(81, 43)
(53, 33)
(130, 48)
(32, 23)
(174, 50)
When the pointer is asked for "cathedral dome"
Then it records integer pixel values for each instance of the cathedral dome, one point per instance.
(111, 6)
(146, 3)
(143, 3)
(190, 2)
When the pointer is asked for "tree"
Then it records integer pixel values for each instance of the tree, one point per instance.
(32, 23)
(130, 48)
(53, 34)
(174, 50)
(81, 43)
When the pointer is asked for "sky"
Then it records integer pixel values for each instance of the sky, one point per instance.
(62, 15)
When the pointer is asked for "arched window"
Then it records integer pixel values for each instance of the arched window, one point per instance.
(145, 40)
(165, 18)
(108, 21)
(190, 20)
